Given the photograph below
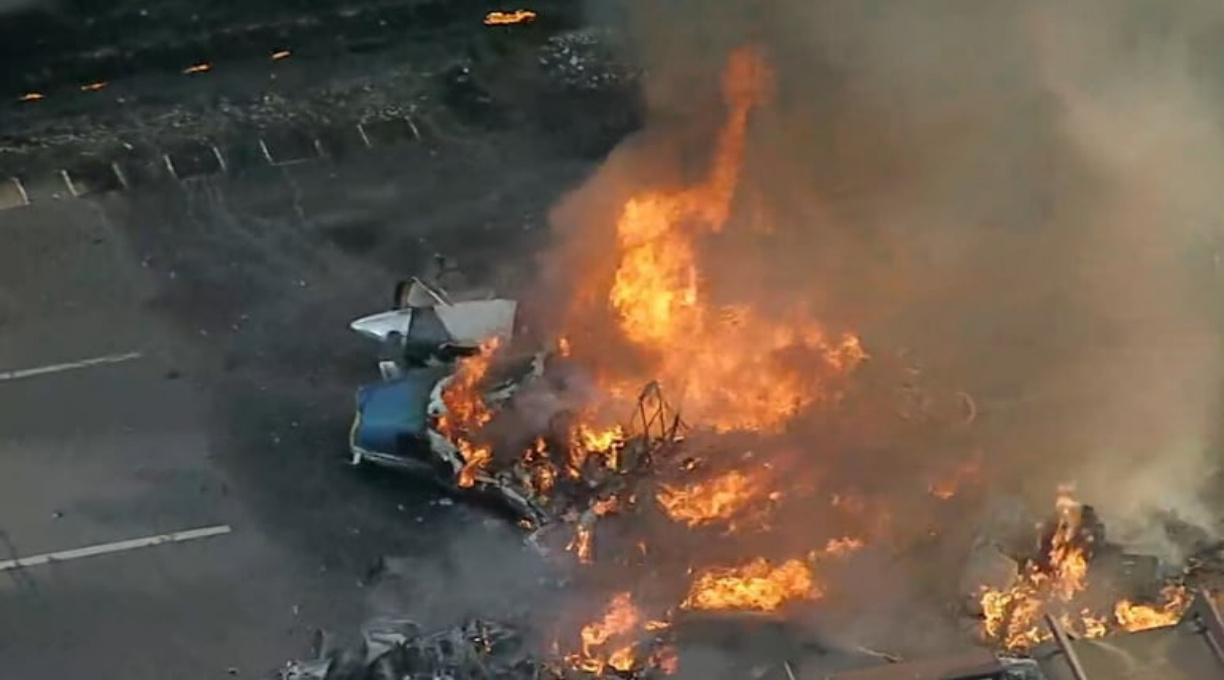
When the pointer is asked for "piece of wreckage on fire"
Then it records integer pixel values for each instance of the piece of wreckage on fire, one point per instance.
(452, 363)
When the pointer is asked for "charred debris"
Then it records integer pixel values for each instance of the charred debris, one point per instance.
(1190, 649)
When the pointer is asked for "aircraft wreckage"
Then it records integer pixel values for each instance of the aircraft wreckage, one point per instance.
(433, 344)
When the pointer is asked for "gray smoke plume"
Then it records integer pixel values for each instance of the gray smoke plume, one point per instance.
(1018, 197)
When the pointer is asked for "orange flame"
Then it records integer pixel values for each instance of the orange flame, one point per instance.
(617, 629)
(581, 544)
(603, 443)
(720, 498)
(466, 412)
(1174, 600)
(756, 586)
(1012, 615)
(475, 459)
(518, 16)
(723, 360)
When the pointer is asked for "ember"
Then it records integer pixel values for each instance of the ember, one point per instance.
(518, 16)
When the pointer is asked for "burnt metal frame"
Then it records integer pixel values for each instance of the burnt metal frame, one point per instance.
(1063, 640)
(1202, 614)
(655, 419)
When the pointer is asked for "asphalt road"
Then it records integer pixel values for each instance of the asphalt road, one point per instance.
(227, 300)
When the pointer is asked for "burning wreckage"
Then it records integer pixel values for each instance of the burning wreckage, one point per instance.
(688, 539)
(441, 387)
(446, 373)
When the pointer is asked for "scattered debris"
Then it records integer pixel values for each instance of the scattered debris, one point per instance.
(398, 648)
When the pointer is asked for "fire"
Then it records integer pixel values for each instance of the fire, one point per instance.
(1067, 556)
(198, 68)
(1173, 602)
(720, 498)
(839, 547)
(475, 459)
(723, 360)
(591, 439)
(466, 412)
(581, 545)
(1012, 616)
(32, 97)
(518, 16)
(541, 477)
(587, 441)
(611, 641)
(756, 586)
(95, 86)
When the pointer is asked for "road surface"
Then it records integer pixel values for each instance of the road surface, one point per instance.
(178, 359)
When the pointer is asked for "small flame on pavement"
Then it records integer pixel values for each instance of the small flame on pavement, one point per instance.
(280, 54)
(95, 86)
(32, 97)
(198, 68)
(518, 16)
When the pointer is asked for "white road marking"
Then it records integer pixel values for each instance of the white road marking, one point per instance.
(70, 366)
(118, 546)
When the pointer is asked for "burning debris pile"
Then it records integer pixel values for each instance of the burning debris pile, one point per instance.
(671, 517)
(476, 648)
(1055, 581)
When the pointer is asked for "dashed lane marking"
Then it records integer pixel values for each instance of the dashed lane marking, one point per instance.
(20, 374)
(118, 546)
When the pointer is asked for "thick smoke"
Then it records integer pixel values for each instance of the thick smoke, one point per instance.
(1019, 198)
